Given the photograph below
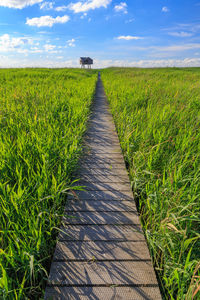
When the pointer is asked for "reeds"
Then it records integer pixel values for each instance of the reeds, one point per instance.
(43, 116)
(157, 115)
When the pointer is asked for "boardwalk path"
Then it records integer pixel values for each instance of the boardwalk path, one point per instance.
(102, 253)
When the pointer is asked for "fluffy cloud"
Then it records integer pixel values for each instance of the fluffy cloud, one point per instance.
(47, 21)
(165, 9)
(61, 8)
(49, 47)
(35, 50)
(46, 5)
(88, 5)
(8, 43)
(18, 3)
(121, 8)
(128, 37)
(40, 61)
(71, 43)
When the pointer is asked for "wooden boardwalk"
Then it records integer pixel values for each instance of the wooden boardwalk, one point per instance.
(102, 252)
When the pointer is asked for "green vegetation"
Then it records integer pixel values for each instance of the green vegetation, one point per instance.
(43, 116)
(157, 115)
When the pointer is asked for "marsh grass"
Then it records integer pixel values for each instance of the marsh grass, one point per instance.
(157, 115)
(43, 115)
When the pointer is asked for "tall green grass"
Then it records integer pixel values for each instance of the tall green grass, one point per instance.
(157, 115)
(43, 115)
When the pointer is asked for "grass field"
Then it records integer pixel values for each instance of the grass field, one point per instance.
(43, 116)
(157, 115)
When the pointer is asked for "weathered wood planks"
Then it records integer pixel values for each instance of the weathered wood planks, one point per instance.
(102, 252)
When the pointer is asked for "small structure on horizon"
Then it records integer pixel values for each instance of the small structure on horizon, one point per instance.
(86, 61)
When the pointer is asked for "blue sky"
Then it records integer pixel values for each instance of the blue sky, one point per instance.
(139, 33)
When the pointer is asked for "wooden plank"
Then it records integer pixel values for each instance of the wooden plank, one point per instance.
(104, 160)
(102, 131)
(108, 166)
(107, 147)
(101, 136)
(104, 155)
(103, 140)
(101, 123)
(103, 293)
(107, 195)
(101, 148)
(102, 273)
(100, 142)
(93, 125)
(106, 218)
(101, 233)
(101, 116)
(90, 151)
(105, 178)
(104, 186)
(102, 171)
(93, 205)
(101, 251)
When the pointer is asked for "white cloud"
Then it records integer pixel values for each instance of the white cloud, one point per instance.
(61, 8)
(165, 9)
(18, 3)
(88, 5)
(57, 62)
(121, 8)
(8, 43)
(187, 62)
(71, 43)
(181, 34)
(36, 50)
(47, 21)
(46, 5)
(49, 47)
(128, 37)
(40, 61)
(23, 51)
